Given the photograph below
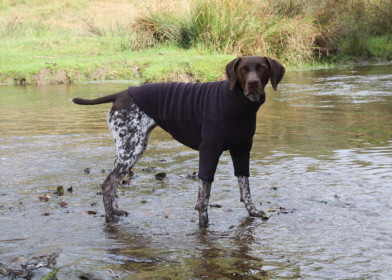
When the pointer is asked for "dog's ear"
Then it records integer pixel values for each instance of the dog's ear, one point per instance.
(277, 72)
(231, 68)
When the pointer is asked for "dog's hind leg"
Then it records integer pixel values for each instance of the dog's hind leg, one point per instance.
(109, 192)
(131, 129)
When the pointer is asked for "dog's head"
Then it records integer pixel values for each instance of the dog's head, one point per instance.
(252, 74)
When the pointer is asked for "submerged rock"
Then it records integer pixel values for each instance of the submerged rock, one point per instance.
(160, 176)
(37, 267)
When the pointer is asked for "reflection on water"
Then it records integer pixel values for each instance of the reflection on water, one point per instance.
(321, 166)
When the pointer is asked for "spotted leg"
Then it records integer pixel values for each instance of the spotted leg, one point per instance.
(130, 129)
(246, 198)
(202, 202)
(109, 193)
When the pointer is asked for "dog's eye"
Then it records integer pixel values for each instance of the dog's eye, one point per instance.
(244, 69)
(260, 67)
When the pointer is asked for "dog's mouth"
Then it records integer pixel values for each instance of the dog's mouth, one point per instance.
(254, 93)
(255, 97)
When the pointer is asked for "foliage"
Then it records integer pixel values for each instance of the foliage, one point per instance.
(295, 31)
(93, 40)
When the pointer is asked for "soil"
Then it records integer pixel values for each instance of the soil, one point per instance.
(48, 76)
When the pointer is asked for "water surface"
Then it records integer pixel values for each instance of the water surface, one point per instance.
(321, 166)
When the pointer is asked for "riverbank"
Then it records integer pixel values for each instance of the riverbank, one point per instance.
(80, 59)
(46, 42)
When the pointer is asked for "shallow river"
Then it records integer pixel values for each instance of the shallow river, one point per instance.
(321, 166)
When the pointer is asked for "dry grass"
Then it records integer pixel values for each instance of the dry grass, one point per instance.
(85, 35)
(295, 31)
(76, 17)
(237, 27)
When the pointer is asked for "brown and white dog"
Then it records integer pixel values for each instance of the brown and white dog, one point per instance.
(208, 117)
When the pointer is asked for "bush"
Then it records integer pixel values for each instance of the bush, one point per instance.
(233, 27)
(295, 31)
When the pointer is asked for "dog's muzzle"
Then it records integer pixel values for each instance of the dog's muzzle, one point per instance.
(254, 90)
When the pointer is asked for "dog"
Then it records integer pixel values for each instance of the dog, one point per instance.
(209, 117)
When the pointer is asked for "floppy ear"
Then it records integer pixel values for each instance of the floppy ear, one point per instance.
(277, 72)
(231, 67)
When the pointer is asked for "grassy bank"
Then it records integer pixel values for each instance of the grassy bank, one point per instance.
(46, 41)
(78, 59)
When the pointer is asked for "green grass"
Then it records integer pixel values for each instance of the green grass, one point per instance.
(102, 58)
(189, 40)
(362, 47)
(381, 47)
(297, 32)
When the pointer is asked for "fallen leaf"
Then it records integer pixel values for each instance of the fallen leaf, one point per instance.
(60, 191)
(265, 217)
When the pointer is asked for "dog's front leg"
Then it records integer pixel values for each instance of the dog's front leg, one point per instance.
(246, 198)
(202, 202)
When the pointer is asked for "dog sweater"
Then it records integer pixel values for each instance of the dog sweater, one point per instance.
(207, 117)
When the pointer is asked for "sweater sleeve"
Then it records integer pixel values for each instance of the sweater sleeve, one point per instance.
(240, 155)
(208, 162)
(210, 150)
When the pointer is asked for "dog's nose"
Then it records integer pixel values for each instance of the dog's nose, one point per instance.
(253, 83)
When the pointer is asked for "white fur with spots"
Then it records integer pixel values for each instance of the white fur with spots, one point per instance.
(246, 198)
(130, 129)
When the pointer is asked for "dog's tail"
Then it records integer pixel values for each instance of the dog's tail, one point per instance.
(101, 100)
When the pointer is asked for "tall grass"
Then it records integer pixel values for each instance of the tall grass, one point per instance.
(222, 25)
(82, 37)
(219, 25)
(296, 31)
(236, 27)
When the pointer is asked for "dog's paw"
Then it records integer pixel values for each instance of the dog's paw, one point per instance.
(259, 214)
(120, 213)
(115, 216)
(111, 219)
